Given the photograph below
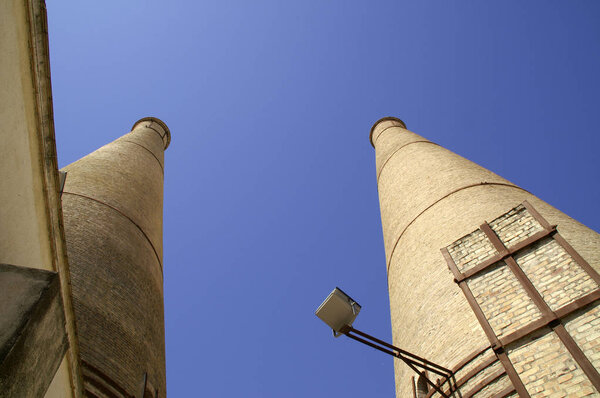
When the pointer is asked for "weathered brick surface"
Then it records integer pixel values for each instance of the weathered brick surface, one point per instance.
(503, 300)
(515, 226)
(471, 250)
(584, 327)
(494, 388)
(547, 369)
(558, 278)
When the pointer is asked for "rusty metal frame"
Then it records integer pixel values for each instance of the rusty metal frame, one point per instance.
(578, 259)
(549, 318)
(491, 360)
(562, 333)
(468, 359)
(524, 331)
(565, 245)
(463, 380)
(495, 342)
(509, 252)
(512, 374)
(578, 304)
(487, 328)
(530, 289)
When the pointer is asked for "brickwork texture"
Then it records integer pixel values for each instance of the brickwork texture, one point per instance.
(543, 363)
(555, 274)
(584, 326)
(503, 300)
(548, 370)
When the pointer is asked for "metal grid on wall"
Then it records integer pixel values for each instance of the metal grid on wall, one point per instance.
(517, 303)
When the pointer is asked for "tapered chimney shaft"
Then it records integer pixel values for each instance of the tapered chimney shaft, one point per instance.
(430, 198)
(113, 205)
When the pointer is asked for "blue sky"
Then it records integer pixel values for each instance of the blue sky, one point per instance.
(270, 192)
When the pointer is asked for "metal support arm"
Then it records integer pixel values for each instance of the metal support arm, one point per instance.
(413, 361)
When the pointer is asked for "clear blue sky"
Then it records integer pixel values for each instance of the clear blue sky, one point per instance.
(270, 192)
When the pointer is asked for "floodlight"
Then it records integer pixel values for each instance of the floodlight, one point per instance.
(338, 310)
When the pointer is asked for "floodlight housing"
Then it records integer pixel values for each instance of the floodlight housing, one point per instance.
(338, 310)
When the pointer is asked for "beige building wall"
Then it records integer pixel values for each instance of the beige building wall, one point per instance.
(113, 206)
(429, 198)
(24, 239)
(30, 216)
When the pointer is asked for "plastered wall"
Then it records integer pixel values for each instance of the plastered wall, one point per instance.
(28, 215)
(24, 239)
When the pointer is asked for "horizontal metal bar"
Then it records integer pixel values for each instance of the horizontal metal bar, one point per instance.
(578, 304)
(496, 258)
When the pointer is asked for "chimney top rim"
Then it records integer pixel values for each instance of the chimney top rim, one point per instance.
(162, 124)
(383, 119)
